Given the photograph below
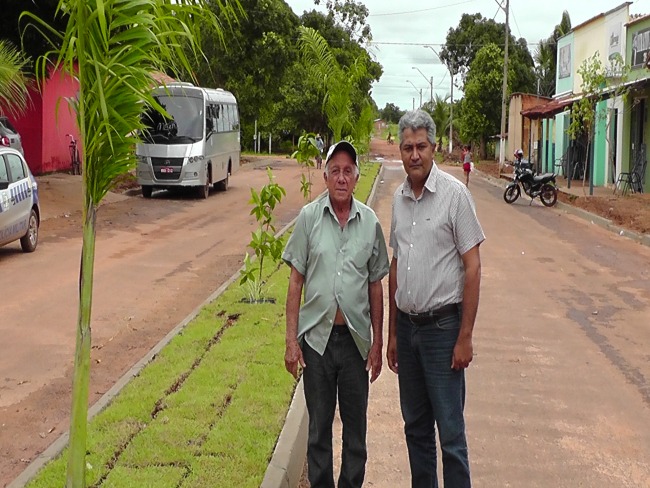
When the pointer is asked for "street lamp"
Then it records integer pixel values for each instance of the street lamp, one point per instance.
(430, 82)
(417, 90)
(451, 105)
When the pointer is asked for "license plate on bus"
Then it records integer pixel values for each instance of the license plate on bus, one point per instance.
(166, 170)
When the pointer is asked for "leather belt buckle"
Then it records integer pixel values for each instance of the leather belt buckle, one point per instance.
(432, 315)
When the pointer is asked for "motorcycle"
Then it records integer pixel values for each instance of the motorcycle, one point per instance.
(542, 186)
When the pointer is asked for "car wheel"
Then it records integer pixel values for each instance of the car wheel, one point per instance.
(204, 191)
(223, 184)
(147, 191)
(30, 240)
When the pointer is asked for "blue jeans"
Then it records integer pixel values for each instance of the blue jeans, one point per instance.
(340, 370)
(432, 394)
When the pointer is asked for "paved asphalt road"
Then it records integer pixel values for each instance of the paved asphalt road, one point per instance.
(559, 389)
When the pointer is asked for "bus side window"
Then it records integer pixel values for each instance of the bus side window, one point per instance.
(209, 122)
(231, 117)
(235, 119)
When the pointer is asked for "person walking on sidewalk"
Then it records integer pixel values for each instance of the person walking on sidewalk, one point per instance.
(338, 255)
(467, 162)
(320, 145)
(433, 291)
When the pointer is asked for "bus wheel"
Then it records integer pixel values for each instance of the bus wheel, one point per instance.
(223, 184)
(204, 191)
(147, 191)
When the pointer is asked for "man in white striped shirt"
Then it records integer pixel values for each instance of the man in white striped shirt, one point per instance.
(434, 283)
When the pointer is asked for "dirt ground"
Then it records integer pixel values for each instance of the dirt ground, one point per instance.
(156, 260)
(631, 211)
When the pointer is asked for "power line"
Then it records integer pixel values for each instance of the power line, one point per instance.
(422, 10)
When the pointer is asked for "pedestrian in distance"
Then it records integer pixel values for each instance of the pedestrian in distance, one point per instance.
(338, 257)
(467, 162)
(433, 291)
(320, 145)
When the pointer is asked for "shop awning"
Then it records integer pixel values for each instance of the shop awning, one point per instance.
(548, 109)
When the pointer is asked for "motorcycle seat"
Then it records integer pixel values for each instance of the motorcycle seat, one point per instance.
(544, 177)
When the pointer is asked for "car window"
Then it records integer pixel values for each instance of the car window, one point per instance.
(4, 175)
(16, 168)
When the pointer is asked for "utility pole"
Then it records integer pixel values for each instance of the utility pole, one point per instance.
(419, 90)
(429, 81)
(502, 148)
(450, 67)
(431, 99)
(451, 108)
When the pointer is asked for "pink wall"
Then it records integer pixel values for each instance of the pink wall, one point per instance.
(43, 127)
(57, 122)
(28, 126)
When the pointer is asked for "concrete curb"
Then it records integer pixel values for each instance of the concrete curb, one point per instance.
(583, 214)
(288, 460)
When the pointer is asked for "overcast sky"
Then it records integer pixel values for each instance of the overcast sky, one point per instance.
(400, 31)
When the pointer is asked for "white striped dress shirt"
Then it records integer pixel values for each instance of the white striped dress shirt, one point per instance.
(428, 236)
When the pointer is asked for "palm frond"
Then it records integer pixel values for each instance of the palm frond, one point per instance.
(13, 81)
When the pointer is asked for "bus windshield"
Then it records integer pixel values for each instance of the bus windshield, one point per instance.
(184, 126)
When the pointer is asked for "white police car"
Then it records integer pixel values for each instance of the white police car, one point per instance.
(20, 214)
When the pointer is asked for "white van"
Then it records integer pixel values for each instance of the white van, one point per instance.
(198, 146)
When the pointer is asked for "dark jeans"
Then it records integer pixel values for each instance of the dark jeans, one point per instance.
(431, 393)
(342, 370)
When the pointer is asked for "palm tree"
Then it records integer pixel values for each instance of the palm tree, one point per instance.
(440, 114)
(13, 82)
(545, 68)
(112, 47)
(336, 82)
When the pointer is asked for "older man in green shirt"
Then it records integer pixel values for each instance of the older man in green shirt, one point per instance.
(338, 255)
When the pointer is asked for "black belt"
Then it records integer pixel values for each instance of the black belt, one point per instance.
(433, 315)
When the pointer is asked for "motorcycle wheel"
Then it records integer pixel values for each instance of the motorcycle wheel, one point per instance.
(548, 195)
(512, 193)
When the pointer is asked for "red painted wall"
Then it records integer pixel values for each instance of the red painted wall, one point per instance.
(43, 127)
(28, 126)
(58, 120)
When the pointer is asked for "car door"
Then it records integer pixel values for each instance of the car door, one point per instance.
(5, 202)
(20, 195)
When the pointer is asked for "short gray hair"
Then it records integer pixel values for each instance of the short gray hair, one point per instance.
(418, 119)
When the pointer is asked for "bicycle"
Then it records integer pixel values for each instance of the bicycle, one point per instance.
(75, 162)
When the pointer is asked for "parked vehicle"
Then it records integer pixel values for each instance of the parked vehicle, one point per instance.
(198, 146)
(542, 186)
(20, 214)
(9, 136)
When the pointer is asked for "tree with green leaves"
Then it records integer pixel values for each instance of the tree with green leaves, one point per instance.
(112, 47)
(13, 81)
(546, 57)
(263, 241)
(475, 32)
(391, 113)
(481, 106)
(352, 15)
(253, 63)
(336, 83)
(440, 113)
(594, 89)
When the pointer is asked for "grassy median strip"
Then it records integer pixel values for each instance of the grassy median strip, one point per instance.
(208, 410)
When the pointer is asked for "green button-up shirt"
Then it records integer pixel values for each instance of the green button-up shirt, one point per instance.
(337, 263)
